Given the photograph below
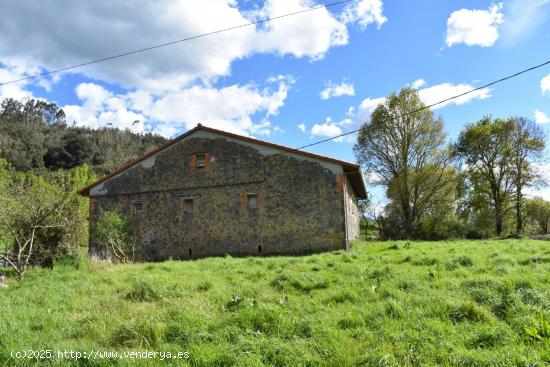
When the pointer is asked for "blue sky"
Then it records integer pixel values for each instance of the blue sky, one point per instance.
(291, 82)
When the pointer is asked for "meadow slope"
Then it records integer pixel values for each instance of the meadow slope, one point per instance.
(459, 303)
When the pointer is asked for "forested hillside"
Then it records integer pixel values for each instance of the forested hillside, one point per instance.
(36, 136)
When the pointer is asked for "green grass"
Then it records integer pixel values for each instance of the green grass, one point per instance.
(456, 303)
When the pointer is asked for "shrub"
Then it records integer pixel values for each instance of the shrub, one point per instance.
(113, 234)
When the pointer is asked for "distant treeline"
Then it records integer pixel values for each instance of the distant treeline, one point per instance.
(35, 136)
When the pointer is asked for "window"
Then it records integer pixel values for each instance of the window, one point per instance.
(252, 201)
(138, 207)
(260, 248)
(188, 206)
(201, 160)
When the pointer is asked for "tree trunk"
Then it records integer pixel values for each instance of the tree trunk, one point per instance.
(519, 211)
(498, 217)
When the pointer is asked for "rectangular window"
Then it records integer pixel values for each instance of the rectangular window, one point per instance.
(252, 201)
(138, 207)
(201, 160)
(188, 206)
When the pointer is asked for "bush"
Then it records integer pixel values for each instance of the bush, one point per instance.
(40, 219)
(113, 234)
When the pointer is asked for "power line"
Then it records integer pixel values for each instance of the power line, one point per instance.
(265, 20)
(428, 106)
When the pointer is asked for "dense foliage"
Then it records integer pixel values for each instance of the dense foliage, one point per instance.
(42, 218)
(35, 136)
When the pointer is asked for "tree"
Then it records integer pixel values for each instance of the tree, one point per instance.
(486, 148)
(39, 220)
(538, 211)
(405, 149)
(527, 144)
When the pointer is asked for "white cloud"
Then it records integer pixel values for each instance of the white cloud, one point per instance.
(129, 26)
(302, 127)
(13, 69)
(474, 27)
(442, 91)
(365, 12)
(331, 129)
(232, 108)
(171, 88)
(545, 84)
(101, 108)
(327, 129)
(541, 117)
(418, 83)
(337, 90)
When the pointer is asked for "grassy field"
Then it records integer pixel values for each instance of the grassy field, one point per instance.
(459, 303)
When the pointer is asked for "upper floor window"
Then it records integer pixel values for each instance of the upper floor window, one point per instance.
(201, 160)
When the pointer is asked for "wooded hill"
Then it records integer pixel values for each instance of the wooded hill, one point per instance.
(36, 136)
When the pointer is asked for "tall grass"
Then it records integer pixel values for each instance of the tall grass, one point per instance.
(455, 303)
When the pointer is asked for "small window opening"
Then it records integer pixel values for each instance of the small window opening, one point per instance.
(201, 160)
(138, 207)
(260, 248)
(190, 252)
(252, 200)
(188, 206)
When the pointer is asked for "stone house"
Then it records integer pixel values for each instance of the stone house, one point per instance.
(209, 192)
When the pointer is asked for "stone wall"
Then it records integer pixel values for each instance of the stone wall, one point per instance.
(352, 213)
(300, 203)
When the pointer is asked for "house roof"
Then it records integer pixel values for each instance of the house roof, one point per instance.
(350, 169)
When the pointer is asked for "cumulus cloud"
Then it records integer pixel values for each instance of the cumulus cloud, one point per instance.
(474, 27)
(545, 84)
(102, 29)
(302, 127)
(541, 117)
(365, 12)
(12, 70)
(337, 90)
(418, 83)
(171, 88)
(327, 129)
(230, 108)
(331, 129)
(442, 91)
(101, 108)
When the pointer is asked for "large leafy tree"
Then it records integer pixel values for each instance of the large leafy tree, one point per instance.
(404, 146)
(527, 145)
(538, 212)
(486, 148)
